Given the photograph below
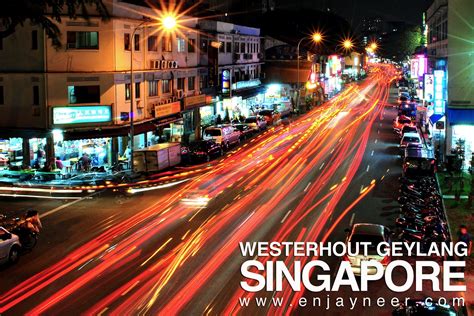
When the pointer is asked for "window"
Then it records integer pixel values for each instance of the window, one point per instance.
(166, 86)
(126, 41)
(137, 90)
(236, 47)
(36, 99)
(180, 84)
(2, 97)
(166, 44)
(191, 45)
(127, 91)
(84, 94)
(181, 47)
(34, 40)
(83, 40)
(136, 41)
(153, 88)
(203, 82)
(242, 47)
(191, 83)
(228, 48)
(153, 43)
(204, 45)
(222, 47)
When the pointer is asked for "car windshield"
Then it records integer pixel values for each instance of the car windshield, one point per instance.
(213, 132)
(374, 240)
(251, 120)
(411, 139)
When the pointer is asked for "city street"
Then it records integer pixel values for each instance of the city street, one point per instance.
(175, 249)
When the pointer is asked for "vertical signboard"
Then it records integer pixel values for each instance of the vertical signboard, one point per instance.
(225, 81)
(439, 96)
(428, 90)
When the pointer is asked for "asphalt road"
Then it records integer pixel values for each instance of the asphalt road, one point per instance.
(175, 249)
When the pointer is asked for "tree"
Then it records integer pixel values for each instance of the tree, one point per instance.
(45, 13)
(402, 44)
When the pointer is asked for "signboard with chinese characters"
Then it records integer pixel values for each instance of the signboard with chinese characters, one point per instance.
(195, 100)
(439, 96)
(65, 115)
(246, 84)
(225, 81)
(167, 109)
(428, 87)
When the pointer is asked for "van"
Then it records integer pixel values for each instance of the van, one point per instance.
(419, 162)
(223, 135)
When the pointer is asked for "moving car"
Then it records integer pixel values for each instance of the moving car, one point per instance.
(224, 135)
(245, 131)
(400, 121)
(204, 150)
(410, 139)
(9, 247)
(256, 123)
(372, 233)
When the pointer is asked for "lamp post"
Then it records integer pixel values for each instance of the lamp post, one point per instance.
(167, 23)
(317, 37)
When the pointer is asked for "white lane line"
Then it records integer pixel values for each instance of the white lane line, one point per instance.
(378, 132)
(307, 186)
(59, 208)
(351, 222)
(361, 188)
(380, 124)
(368, 167)
(286, 216)
(372, 153)
(375, 141)
(321, 166)
(102, 311)
(248, 217)
(130, 288)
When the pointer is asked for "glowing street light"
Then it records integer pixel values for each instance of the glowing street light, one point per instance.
(317, 37)
(347, 44)
(169, 22)
(373, 46)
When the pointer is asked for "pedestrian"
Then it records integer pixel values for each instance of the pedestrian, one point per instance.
(59, 163)
(465, 237)
(218, 119)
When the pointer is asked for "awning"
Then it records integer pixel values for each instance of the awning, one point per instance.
(460, 116)
(435, 118)
(249, 92)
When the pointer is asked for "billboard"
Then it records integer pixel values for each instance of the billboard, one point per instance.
(439, 95)
(65, 115)
(428, 87)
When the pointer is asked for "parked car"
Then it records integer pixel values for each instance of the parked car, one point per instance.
(9, 247)
(415, 307)
(418, 162)
(256, 123)
(410, 140)
(402, 99)
(245, 131)
(204, 150)
(225, 135)
(372, 233)
(408, 129)
(270, 116)
(400, 121)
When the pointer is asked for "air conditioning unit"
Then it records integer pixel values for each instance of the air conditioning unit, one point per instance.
(175, 64)
(170, 64)
(164, 64)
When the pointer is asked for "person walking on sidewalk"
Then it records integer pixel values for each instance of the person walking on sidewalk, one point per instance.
(464, 236)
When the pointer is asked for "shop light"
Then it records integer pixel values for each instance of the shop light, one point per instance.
(57, 135)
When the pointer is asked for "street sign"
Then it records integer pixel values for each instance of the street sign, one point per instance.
(65, 115)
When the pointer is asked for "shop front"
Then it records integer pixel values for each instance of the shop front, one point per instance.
(459, 133)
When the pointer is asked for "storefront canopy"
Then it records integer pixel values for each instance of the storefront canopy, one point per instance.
(460, 116)
(435, 118)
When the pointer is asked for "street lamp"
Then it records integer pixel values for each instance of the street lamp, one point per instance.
(168, 23)
(373, 46)
(317, 38)
(347, 44)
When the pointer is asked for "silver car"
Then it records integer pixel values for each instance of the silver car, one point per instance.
(9, 247)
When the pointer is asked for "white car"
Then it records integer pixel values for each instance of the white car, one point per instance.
(410, 140)
(373, 233)
(224, 135)
(9, 247)
(256, 123)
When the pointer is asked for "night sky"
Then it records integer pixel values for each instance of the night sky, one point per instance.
(355, 10)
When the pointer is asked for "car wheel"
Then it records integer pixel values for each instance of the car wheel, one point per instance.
(14, 255)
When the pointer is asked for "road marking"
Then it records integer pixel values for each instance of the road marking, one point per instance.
(248, 217)
(59, 208)
(368, 167)
(378, 132)
(361, 188)
(102, 311)
(375, 141)
(351, 222)
(321, 166)
(333, 150)
(380, 124)
(307, 186)
(286, 215)
(372, 153)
